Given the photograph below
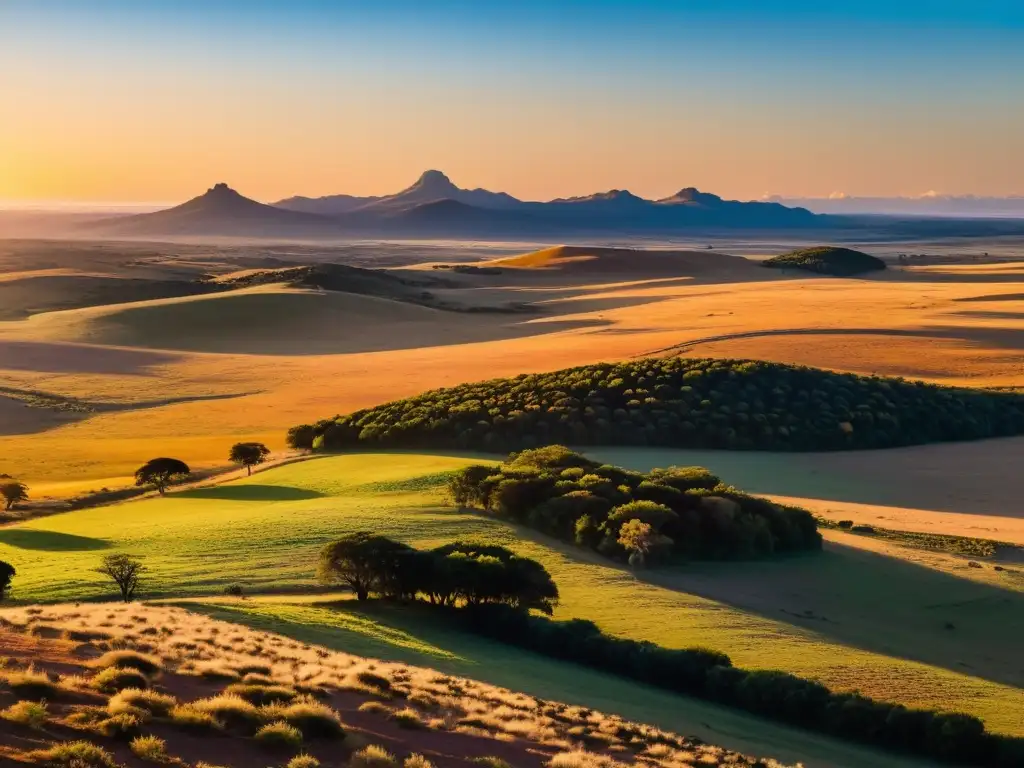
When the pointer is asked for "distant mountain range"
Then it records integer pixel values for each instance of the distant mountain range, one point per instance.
(434, 206)
(930, 204)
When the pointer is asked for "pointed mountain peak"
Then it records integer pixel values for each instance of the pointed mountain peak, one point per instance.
(694, 195)
(434, 180)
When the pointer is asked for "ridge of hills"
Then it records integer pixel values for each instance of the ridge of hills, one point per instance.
(434, 205)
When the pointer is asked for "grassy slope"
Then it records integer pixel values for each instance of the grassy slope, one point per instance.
(400, 635)
(264, 532)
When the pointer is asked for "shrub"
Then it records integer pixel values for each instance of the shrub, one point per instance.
(190, 717)
(417, 761)
(374, 680)
(303, 761)
(149, 665)
(28, 713)
(279, 736)
(31, 684)
(492, 762)
(151, 748)
(114, 679)
(76, 754)
(408, 718)
(373, 757)
(376, 707)
(314, 719)
(123, 725)
(262, 694)
(148, 701)
(232, 710)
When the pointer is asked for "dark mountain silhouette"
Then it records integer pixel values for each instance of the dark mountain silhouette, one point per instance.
(331, 205)
(430, 187)
(220, 211)
(434, 206)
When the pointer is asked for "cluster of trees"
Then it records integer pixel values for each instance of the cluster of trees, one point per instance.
(164, 471)
(827, 260)
(710, 675)
(676, 402)
(643, 518)
(457, 574)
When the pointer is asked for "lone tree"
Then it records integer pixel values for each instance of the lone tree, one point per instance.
(355, 560)
(13, 492)
(125, 571)
(249, 454)
(160, 472)
(7, 573)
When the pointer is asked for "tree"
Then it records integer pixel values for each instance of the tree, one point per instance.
(249, 454)
(125, 571)
(7, 573)
(639, 538)
(160, 472)
(355, 560)
(13, 492)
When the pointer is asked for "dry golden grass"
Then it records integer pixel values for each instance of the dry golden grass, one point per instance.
(431, 700)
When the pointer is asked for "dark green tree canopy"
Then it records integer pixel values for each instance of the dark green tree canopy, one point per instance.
(13, 493)
(249, 454)
(7, 574)
(680, 403)
(160, 472)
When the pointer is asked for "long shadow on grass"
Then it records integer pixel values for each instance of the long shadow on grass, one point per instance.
(875, 602)
(480, 659)
(251, 492)
(49, 541)
(844, 595)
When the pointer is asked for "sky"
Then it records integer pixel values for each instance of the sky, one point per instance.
(157, 100)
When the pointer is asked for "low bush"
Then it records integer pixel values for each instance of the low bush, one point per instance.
(190, 717)
(30, 713)
(114, 679)
(303, 761)
(123, 725)
(373, 757)
(31, 684)
(827, 260)
(279, 736)
(313, 719)
(417, 761)
(148, 665)
(408, 718)
(154, 703)
(262, 694)
(233, 711)
(151, 748)
(76, 754)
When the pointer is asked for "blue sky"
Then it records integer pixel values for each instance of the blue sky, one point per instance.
(148, 99)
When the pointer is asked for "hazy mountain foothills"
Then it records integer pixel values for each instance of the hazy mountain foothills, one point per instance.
(113, 353)
(435, 207)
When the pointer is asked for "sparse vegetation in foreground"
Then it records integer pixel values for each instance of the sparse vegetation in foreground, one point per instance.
(676, 402)
(678, 512)
(309, 732)
(827, 260)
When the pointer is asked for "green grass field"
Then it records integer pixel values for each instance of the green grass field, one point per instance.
(853, 619)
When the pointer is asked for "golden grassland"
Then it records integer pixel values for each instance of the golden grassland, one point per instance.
(172, 675)
(939, 325)
(942, 636)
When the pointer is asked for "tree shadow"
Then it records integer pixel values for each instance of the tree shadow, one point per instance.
(251, 492)
(872, 601)
(49, 541)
